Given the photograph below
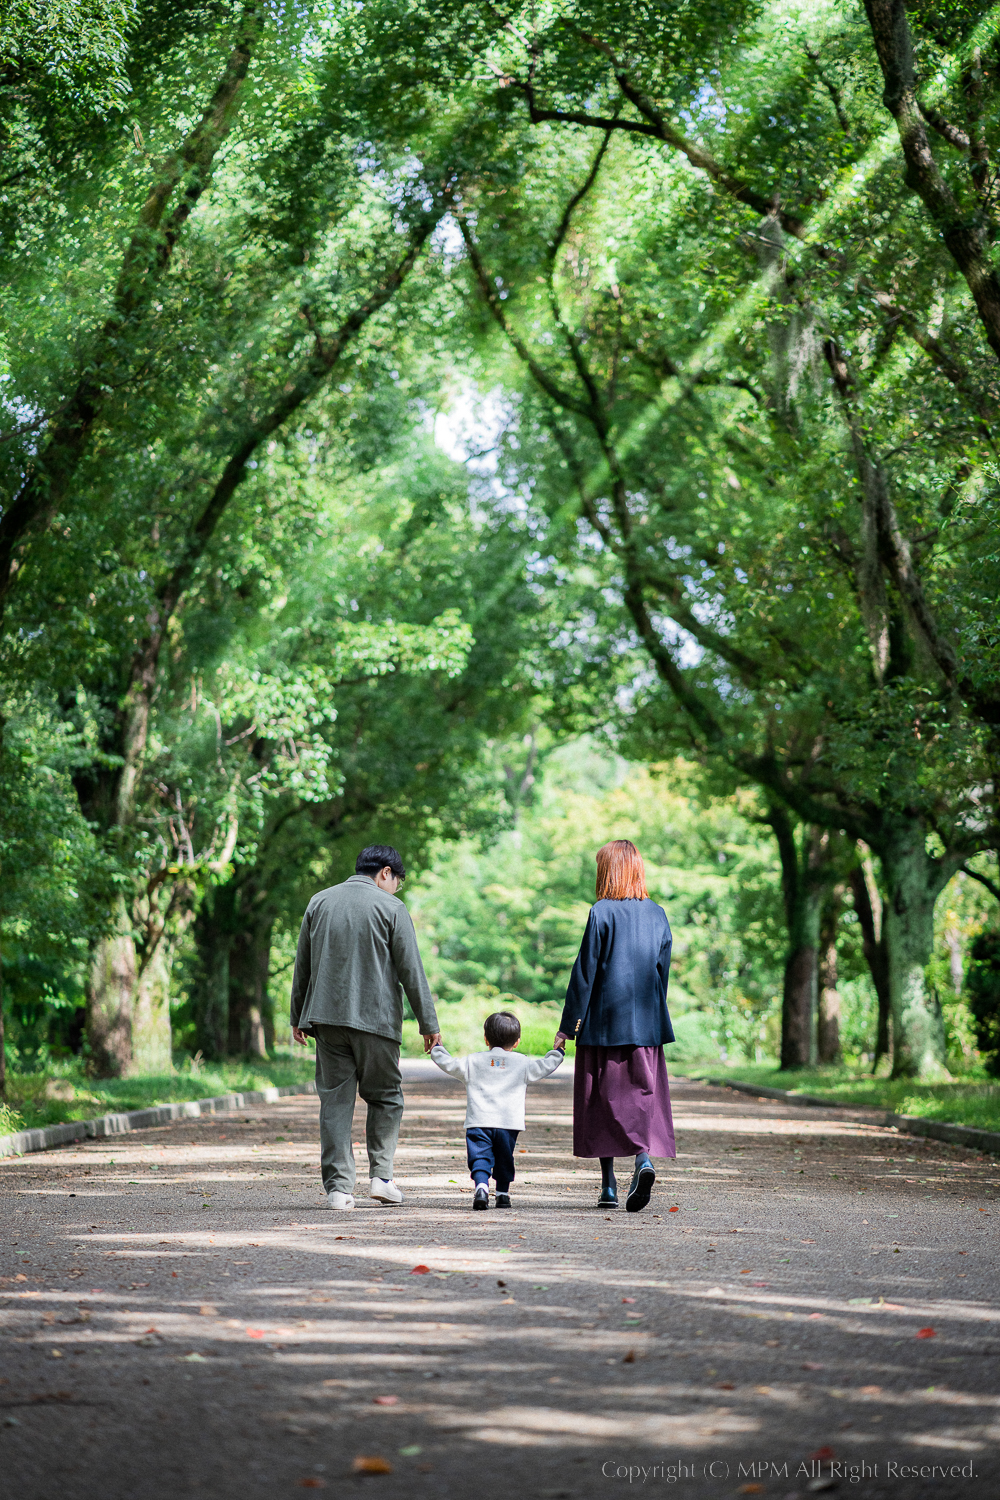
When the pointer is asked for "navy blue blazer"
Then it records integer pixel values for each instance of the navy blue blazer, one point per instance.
(619, 982)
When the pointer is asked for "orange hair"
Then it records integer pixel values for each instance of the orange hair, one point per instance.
(620, 872)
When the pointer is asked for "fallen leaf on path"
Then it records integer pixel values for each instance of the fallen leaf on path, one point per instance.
(815, 1315)
(421, 1271)
(926, 1333)
(675, 1210)
(725, 1385)
(629, 1358)
(411, 1451)
(371, 1464)
(255, 1333)
(628, 1299)
(824, 1454)
(384, 1400)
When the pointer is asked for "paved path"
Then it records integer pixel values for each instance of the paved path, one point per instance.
(181, 1316)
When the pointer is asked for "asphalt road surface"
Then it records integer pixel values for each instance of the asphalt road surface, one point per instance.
(809, 1305)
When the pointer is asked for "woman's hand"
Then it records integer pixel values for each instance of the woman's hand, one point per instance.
(560, 1041)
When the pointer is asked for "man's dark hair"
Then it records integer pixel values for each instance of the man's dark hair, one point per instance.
(502, 1028)
(375, 858)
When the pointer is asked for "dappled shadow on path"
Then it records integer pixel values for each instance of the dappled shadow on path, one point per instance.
(191, 1311)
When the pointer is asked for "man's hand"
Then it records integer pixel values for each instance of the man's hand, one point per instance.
(560, 1041)
(432, 1041)
(298, 1035)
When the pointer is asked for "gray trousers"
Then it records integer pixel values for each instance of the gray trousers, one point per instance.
(351, 1062)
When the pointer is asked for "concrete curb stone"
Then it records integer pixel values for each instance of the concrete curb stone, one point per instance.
(44, 1138)
(938, 1130)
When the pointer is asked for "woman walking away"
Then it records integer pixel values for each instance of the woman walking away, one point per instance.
(616, 1010)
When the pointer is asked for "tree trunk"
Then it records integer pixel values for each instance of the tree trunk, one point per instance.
(914, 881)
(249, 963)
(151, 1041)
(828, 1018)
(798, 1008)
(213, 940)
(110, 997)
(869, 913)
(233, 939)
(803, 879)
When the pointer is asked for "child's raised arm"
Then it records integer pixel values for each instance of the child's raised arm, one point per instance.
(541, 1067)
(456, 1066)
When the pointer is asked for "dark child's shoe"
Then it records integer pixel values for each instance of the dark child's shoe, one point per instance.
(481, 1198)
(608, 1198)
(641, 1186)
(503, 1200)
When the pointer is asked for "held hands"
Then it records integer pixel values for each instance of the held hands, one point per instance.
(432, 1041)
(560, 1041)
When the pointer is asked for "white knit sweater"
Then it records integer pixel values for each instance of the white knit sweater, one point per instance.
(495, 1082)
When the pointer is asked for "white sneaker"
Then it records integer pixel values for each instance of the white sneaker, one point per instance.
(384, 1192)
(340, 1200)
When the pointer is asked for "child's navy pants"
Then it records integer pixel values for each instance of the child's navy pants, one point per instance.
(491, 1154)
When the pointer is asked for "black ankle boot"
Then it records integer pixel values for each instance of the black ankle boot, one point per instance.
(609, 1187)
(641, 1185)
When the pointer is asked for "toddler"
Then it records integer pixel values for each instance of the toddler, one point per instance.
(495, 1082)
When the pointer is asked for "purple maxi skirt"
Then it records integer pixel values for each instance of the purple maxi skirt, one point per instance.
(621, 1102)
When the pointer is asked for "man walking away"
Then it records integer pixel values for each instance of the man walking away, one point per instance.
(357, 952)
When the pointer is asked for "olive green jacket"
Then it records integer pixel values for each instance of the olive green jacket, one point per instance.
(357, 953)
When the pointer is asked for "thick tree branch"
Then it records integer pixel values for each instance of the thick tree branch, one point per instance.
(945, 129)
(596, 410)
(542, 378)
(312, 375)
(978, 149)
(966, 241)
(144, 262)
(893, 547)
(982, 404)
(653, 124)
(836, 97)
